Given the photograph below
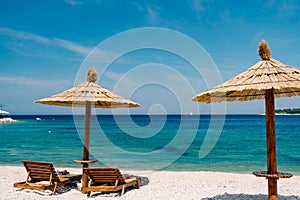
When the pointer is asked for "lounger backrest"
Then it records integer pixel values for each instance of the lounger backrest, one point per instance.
(40, 171)
(105, 175)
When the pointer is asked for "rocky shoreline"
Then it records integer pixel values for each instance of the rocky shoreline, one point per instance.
(7, 120)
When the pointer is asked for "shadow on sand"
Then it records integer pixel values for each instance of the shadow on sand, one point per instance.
(144, 182)
(248, 197)
(60, 190)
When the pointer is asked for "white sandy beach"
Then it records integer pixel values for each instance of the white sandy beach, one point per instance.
(161, 185)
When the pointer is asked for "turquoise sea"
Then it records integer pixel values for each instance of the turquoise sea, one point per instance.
(156, 142)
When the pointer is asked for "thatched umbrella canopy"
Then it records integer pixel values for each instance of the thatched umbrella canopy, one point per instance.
(253, 83)
(88, 91)
(89, 95)
(267, 79)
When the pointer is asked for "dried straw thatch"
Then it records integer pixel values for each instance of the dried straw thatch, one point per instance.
(88, 95)
(92, 75)
(267, 79)
(264, 50)
(91, 92)
(252, 84)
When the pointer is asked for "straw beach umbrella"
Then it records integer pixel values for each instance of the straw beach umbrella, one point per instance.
(266, 79)
(89, 95)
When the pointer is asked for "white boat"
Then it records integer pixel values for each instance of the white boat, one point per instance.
(3, 113)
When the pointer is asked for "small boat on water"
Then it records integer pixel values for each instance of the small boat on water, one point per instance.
(3, 113)
(4, 117)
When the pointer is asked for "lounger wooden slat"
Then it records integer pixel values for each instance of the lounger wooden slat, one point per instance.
(107, 180)
(42, 176)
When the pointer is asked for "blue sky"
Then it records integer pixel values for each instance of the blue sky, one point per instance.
(44, 43)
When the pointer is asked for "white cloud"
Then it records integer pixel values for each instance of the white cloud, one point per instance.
(29, 81)
(152, 16)
(52, 42)
(80, 2)
(284, 9)
(113, 75)
(24, 35)
(56, 42)
(138, 6)
(72, 46)
(74, 2)
(150, 12)
(120, 80)
(197, 6)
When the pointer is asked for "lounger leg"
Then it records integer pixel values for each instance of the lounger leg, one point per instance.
(123, 190)
(54, 189)
(88, 194)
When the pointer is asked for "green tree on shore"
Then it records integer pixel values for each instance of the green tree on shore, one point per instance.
(288, 111)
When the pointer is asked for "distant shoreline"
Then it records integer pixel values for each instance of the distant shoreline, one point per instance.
(286, 114)
(6, 120)
(288, 111)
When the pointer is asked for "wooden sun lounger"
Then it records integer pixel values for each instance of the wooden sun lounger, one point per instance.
(42, 176)
(108, 180)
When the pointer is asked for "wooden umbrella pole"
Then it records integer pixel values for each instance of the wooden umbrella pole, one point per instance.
(271, 143)
(87, 128)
